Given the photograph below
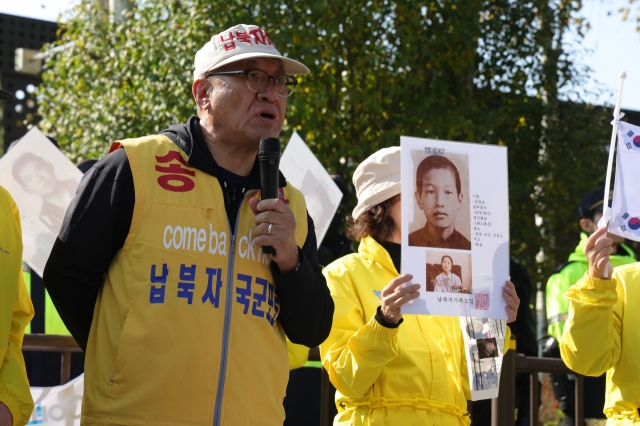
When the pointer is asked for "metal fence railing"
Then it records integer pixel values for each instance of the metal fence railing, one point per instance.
(53, 343)
(502, 407)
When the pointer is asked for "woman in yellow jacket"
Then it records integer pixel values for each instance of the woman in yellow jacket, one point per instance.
(16, 311)
(602, 331)
(390, 370)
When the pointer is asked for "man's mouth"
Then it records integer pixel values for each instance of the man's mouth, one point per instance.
(268, 115)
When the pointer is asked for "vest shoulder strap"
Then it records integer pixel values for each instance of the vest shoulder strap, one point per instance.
(147, 156)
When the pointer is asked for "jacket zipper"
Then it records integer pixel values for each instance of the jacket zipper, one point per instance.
(227, 320)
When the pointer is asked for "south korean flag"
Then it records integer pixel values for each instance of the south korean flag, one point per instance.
(625, 209)
(628, 137)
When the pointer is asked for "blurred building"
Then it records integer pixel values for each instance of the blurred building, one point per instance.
(21, 39)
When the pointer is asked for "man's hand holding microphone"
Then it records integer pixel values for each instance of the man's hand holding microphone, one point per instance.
(275, 222)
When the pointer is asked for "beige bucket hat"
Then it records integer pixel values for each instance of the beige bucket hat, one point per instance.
(377, 179)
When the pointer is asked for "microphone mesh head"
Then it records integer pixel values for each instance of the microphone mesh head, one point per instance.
(269, 146)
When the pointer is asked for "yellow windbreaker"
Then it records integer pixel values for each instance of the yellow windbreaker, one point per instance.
(601, 334)
(16, 312)
(415, 374)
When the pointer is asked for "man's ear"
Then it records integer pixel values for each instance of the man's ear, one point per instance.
(588, 226)
(460, 198)
(200, 93)
(419, 200)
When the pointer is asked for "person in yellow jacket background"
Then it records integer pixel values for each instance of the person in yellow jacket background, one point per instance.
(16, 311)
(601, 333)
(388, 369)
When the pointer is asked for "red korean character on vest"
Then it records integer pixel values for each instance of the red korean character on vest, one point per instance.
(175, 177)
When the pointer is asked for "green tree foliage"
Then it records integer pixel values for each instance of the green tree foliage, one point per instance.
(486, 71)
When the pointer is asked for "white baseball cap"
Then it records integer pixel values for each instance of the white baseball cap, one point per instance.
(238, 43)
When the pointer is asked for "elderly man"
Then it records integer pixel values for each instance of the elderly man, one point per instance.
(158, 269)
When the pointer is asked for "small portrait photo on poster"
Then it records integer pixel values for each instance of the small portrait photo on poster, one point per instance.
(487, 348)
(442, 212)
(448, 272)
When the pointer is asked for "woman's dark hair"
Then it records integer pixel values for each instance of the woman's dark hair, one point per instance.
(375, 222)
(450, 259)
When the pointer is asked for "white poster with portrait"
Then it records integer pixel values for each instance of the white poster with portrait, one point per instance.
(43, 182)
(455, 227)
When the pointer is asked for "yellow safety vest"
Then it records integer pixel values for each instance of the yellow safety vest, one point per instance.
(52, 322)
(185, 329)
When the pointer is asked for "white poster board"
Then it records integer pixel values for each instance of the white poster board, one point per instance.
(304, 171)
(455, 227)
(43, 182)
(58, 405)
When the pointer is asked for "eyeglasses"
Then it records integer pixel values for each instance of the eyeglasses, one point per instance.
(258, 80)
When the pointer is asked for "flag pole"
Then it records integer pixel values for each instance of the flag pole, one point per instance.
(612, 148)
(614, 132)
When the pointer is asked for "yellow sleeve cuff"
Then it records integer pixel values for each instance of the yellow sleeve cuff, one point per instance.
(588, 282)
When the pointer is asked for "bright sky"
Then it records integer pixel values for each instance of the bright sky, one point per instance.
(47, 10)
(612, 44)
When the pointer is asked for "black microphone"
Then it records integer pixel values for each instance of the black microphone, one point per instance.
(269, 158)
